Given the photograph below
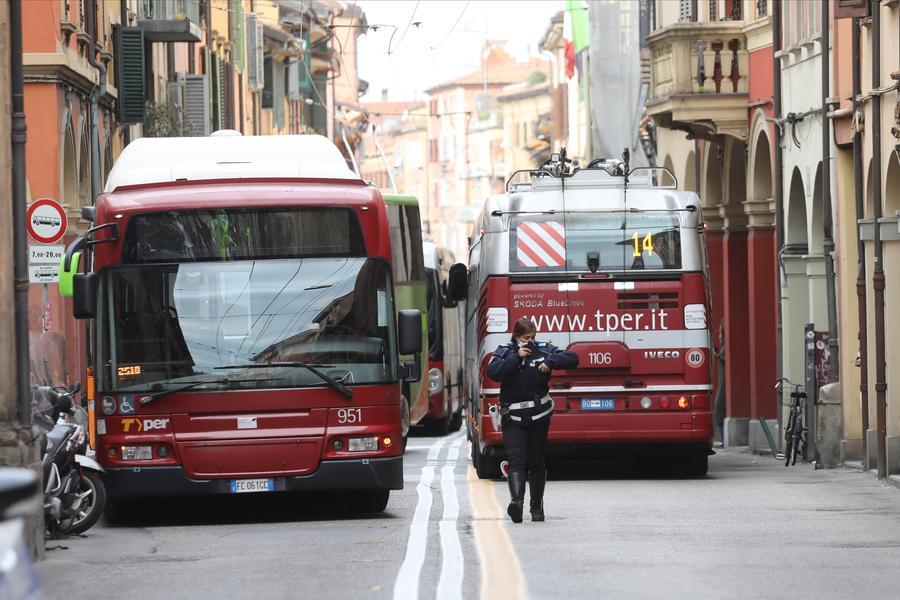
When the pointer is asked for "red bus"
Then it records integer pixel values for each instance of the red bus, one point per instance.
(613, 267)
(445, 339)
(243, 333)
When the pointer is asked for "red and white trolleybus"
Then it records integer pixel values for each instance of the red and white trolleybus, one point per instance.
(243, 335)
(612, 266)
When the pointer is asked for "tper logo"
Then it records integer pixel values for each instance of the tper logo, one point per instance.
(139, 425)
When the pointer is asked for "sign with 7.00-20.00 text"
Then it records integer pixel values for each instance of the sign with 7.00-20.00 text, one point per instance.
(46, 225)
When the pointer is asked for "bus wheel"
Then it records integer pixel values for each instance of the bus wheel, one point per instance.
(487, 467)
(404, 418)
(456, 419)
(369, 501)
(696, 464)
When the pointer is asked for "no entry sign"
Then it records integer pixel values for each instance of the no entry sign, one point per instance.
(46, 221)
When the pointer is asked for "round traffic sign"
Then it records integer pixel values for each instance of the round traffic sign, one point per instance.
(47, 221)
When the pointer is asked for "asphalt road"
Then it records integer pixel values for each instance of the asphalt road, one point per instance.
(752, 528)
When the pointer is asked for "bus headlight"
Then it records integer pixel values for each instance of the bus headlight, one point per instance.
(435, 381)
(364, 444)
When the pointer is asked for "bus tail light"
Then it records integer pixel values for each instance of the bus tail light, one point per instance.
(646, 402)
(137, 452)
(387, 442)
(664, 402)
(364, 444)
(683, 402)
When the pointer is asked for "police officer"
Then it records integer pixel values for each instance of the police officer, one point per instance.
(523, 369)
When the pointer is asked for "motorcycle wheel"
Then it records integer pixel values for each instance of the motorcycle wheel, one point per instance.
(92, 507)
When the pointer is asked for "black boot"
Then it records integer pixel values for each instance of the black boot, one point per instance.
(537, 479)
(517, 493)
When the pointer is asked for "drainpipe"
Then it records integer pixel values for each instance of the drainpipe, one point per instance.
(779, 188)
(828, 245)
(95, 97)
(878, 275)
(860, 245)
(19, 220)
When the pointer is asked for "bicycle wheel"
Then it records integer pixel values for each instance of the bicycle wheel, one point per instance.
(797, 434)
(789, 437)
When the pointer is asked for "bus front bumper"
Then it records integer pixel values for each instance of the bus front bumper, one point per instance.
(332, 475)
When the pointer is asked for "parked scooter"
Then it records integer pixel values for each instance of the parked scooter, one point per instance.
(74, 494)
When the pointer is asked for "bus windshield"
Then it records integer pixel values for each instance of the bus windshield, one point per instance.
(621, 241)
(178, 323)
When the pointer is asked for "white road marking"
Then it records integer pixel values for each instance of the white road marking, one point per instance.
(406, 586)
(452, 562)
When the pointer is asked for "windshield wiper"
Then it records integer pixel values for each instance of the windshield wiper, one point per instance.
(343, 389)
(193, 384)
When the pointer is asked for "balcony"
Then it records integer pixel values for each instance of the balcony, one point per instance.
(699, 79)
(170, 20)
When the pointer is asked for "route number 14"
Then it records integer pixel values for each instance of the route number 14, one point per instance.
(645, 246)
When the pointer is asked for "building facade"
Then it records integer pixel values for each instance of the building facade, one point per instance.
(711, 100)
(99, 74)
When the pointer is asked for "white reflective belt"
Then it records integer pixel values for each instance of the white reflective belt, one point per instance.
(535, 417)
(530, 403)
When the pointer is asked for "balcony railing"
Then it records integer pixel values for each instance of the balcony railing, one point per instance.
(698, 58)
(699, 78)
(167, 10)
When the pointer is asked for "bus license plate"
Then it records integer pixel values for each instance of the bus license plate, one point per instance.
(252, 485)
(598, 404)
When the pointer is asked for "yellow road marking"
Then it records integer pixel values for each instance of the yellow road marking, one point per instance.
(501, 573)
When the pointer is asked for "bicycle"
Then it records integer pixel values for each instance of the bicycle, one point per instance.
(795, 431)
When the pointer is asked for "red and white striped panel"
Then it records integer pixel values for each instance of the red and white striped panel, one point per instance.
(541, 244)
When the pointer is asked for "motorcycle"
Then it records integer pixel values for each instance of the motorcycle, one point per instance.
(74, 494)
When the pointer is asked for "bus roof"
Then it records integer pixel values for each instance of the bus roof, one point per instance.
(228, 155)
(400, 199)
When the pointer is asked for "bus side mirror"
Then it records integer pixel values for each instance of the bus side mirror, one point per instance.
(84, 298)
(459, 275)
(67, 274)
(410, 326)
(446, 300)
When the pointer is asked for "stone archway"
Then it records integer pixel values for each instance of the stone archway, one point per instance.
(795, 291)
(763, 280)
(736, 295)
(795, 224)
(690, 177)
(891, 192)
(84, 171)
(712, 191)
(816, 235)
(69, 188)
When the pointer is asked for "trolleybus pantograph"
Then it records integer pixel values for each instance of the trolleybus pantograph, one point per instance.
(243, 329)
(611, 265)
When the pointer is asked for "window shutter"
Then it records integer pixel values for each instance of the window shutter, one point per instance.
(228, 95)
(236, 33)
(255, 56)
(215, 91)
(278, 94)
(175, 92)
(847, 9)
(687, 10)
(129, 54)
(196, 103)
(267, 101)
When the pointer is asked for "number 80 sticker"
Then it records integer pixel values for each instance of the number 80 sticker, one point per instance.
(695, 357)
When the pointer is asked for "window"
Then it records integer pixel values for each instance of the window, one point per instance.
(242, 234)
(406, 242)
(687, 10)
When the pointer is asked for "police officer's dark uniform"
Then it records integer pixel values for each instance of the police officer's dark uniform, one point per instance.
(526, 408)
